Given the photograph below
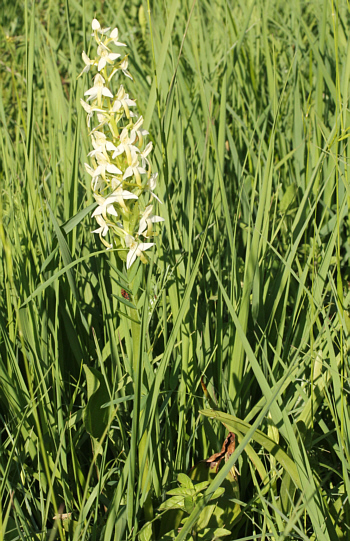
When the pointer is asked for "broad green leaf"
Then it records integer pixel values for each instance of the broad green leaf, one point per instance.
(185, 481)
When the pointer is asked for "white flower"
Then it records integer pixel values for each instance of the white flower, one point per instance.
(87, 63)
(97, 27)
(121, 194)
(95, 24)
(105, 57)
(104, 165)
(102, 230)
(99, 142)
(126, 146)
(135, 250)
(145, 153)
(123, 100)
(137, 132)
(90, 109)
(146, 222)
(136, 170)
(124, 68)
(98, 90)
(105, 205)
(99, 138)
(96, 181)
(114, 37)
(151, 184)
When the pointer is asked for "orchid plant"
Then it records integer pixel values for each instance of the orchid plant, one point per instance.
(122, 180)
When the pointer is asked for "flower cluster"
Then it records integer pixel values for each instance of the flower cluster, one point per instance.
(121, 171)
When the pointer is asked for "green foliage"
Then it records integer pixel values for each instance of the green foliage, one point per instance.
(183, 501)
(102, 404)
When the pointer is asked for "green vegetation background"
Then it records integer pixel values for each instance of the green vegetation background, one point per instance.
(247, 104)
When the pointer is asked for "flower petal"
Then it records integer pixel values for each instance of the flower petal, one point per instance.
(95, 24)
(143, 246)
(130, 258)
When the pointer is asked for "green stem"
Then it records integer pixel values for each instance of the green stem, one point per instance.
(143, 460)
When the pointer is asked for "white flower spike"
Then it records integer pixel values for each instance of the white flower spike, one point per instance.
(120, 154)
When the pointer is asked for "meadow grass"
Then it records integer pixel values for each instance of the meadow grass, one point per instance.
(248, 287)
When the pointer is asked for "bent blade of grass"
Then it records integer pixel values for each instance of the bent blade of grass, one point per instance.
(234, 424)
(218, 480)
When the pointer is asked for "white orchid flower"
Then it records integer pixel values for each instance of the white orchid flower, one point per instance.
(136, 249)
(98, 30)
(146, 222)
(88, 63)
(151, 185)
(105, 205)
(99, 142)
(126, 145)
(104, 165)
(106, 57)
(137, 132)
(124, 67)
(145, 153)
(98, 90)
(136, 170)
(114, 37)
(121, 194)
(97, 27)
(124, 101)
(90, 110)
(102, 230)
(96, 181)
(99, 139)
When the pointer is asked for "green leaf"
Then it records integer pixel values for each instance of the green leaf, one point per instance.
(95, 417)
(199, 487)
(189, 504)
(185, 481)
(146, 533)
(176, 502)
(181, 491)
(75, 220)
(210, 534)
(218, 492)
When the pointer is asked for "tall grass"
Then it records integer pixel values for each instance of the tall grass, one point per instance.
(247, 104)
